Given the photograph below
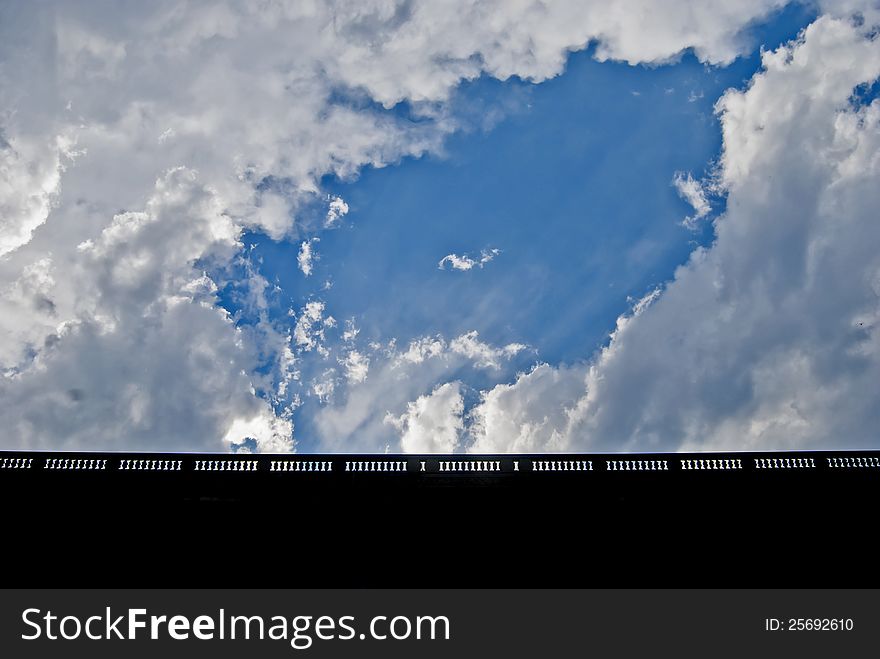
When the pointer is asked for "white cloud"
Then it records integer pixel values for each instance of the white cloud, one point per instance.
(431, 424)
(530, 415)
(30, 178)
(306, 257)
(324, 388)
(692, 192)
(269, 431)
(351, 331)
(427, 46)
(309, 331)
(466, 262)
(355, 417)
(482, 354)
(336, 210)
(457, 262)
(423, 348)
(468, 345)
(106, 346)
(356, 365)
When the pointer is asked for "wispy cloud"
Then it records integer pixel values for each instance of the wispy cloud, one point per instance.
(692, 191)
(307, 256)
(466, 262)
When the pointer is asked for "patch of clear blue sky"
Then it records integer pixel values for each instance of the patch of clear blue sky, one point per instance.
(573, 183)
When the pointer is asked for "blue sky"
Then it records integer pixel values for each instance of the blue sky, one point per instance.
(469, 225)
(571, 179)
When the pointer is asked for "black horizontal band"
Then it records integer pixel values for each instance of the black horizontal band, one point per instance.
(594, 465)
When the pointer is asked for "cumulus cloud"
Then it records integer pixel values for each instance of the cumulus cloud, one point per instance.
(364, 413)
(432, 423)
(529, 415)
(238, 110)
(108, 357)
(30, 177)
(769, 338)
(466, 262)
